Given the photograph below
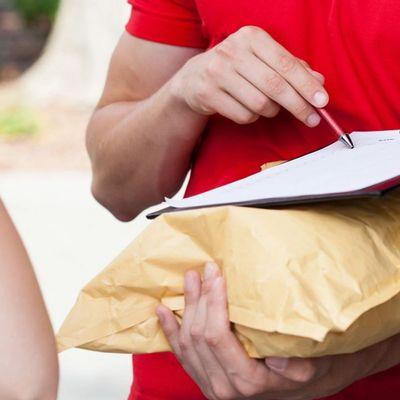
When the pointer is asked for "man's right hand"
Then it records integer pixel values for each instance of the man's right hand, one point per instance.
(157, 98)
(249, 75)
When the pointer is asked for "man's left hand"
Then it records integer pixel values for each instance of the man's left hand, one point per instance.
(212, 355)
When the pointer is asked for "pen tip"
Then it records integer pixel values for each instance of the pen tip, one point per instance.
(346, 139)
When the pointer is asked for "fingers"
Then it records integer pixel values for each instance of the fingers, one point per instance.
(250, 75)
(227, 106)
(274, 87)
(178, 336)
(187, 340)
(189, 356)
(220, 384)
(170, 327)
(255, 90)
(219, 336)
(288, 66)
(231, 375)
(247, 376)
(247, 89)
(232, 96)
(282, 78)
(295, 369)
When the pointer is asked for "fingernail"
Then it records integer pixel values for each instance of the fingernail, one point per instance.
(210, 270)
(313, 120)
(277, 363)
(320, 99)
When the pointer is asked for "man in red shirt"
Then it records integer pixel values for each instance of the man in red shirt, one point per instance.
(220, 88)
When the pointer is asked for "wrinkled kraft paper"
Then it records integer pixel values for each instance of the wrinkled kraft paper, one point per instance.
(302, 281)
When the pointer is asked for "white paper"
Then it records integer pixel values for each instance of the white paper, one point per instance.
(334, 169)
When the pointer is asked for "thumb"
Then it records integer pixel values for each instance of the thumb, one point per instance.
(295, 369)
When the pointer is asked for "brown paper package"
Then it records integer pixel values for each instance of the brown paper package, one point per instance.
(304, 281)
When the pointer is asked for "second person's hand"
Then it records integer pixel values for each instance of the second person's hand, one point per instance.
(249, 75)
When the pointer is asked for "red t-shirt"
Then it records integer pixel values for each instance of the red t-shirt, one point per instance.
(354, 43)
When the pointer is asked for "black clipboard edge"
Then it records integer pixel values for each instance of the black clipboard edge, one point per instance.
(370, 192)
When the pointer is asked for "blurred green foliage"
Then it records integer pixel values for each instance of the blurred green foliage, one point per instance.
(17, 123)
(34, 10)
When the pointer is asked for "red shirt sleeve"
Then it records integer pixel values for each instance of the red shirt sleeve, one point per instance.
(174, 22)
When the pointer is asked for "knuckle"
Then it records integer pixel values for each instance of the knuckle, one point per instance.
(184, 342)
(260, 104)
(190, 298)
(275, 84)
(249, 31)
(303, 377)
(320, 77)
(245, 390)
(245, 117)
(168, 331)
(222, 392)
(196, 332)
(215, 68)
(304, 62)
(272, 111)
(236, 381)
(305, 374)
(246, 386)
(203, 93)
(226, 49)
(206, 287)
(286, 63)
(213, 339)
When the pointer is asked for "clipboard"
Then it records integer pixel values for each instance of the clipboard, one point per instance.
(332, 173)
(376, 191)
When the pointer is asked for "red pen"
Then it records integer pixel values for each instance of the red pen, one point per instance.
(344, 137)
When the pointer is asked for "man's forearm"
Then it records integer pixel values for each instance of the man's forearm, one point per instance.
(140, 151)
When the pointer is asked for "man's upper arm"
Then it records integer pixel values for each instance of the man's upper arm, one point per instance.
(140, 67)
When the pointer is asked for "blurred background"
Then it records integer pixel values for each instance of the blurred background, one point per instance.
(53, 60)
